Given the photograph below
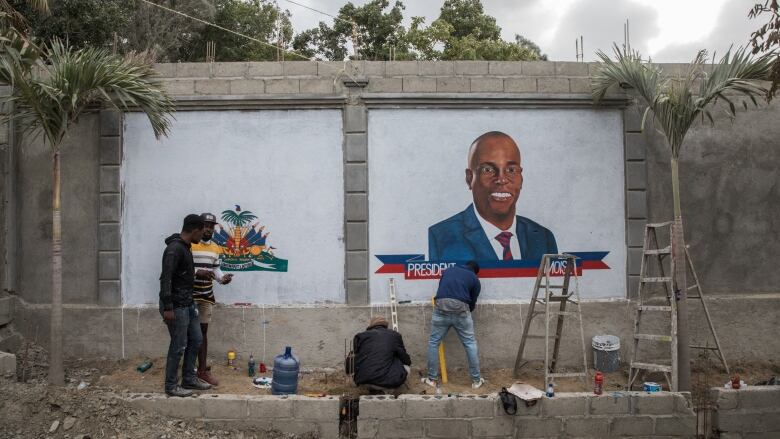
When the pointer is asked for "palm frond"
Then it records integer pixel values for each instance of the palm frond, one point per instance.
(676, 102)
(53, 91)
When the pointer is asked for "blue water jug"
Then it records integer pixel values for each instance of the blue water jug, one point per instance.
(286, 368)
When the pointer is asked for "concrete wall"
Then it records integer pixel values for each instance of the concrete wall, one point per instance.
(730, 187)
(97, 325)
(79, 216)
(582, 415)
(746, 413)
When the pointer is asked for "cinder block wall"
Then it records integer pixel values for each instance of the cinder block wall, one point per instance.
(746, 413)
(462, 416)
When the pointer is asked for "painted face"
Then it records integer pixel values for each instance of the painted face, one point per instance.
(208, 231)
(495, 178)
(197, 235)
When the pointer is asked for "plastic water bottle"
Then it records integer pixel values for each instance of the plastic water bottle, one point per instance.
(550, 390)
(285, 377)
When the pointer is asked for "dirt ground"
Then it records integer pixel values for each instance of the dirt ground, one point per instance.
(123, 377)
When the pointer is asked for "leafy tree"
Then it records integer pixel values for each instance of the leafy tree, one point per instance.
(475, 35)
(377, 29)
(676, 103)
(462, 31)
(767, 38)
(164, 33)
(52, 85)
(255, 18)
(79, 23)
(468, 18)
(15, 18)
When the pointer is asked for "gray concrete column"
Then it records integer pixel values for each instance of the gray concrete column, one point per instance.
(8, 221)
(109, 237)
(356, 203)
(635, 149)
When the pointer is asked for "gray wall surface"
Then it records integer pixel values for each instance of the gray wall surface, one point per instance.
(79, 216)
(730, 193)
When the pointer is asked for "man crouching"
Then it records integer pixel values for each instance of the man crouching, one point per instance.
(381, 361)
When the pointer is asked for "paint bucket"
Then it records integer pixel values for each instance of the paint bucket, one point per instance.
(606, 353)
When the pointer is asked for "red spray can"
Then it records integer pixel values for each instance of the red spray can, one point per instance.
(598, 387)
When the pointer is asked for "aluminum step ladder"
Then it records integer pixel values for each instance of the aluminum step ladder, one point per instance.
(563, 294)
(393, 305)
(649, 280)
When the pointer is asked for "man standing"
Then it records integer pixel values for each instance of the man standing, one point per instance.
(380, 356)
(455, 300)
(489, 229)
(206, 257)
(178, 309)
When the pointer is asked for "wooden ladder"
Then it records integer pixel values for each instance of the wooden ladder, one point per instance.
(566, 295)
(648, 278)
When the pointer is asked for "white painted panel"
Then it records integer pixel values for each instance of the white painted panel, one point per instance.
(285, 167)
(573, 185)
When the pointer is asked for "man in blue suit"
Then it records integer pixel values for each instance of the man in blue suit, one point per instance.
(489, 229)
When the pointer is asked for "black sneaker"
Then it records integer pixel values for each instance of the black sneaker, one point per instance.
(198, 384)
(179, 392)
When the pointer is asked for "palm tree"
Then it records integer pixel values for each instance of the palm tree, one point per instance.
(676, 103)
(52, 86)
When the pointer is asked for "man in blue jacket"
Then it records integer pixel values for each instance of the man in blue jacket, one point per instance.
(488, 229)
(455, 300)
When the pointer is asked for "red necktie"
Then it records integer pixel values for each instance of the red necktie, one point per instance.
(503, 238)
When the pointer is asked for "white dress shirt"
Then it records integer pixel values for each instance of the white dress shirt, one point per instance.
(492, 231)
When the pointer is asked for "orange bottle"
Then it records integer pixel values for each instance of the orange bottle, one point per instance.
(598, 387)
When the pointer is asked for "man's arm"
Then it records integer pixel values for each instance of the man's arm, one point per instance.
(169, 262)
(475, 290)
(400, 351)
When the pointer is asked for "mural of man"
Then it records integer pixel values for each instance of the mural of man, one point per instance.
(489, 229)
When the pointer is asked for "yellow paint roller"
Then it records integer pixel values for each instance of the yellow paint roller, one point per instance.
(442, 359)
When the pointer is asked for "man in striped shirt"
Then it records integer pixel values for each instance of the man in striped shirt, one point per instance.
(206, 257)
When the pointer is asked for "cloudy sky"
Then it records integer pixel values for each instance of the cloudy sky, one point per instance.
(666, 30)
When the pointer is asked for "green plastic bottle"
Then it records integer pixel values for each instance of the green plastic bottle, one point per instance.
(143, 367)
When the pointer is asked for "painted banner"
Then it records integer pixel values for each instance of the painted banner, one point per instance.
(499, 187)
(274, 181)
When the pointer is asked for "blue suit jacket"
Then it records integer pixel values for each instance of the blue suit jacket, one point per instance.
(461, 238)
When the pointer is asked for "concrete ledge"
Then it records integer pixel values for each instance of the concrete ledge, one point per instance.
(750, 412)
(437, 416)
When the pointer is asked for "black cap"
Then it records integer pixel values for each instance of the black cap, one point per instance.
(208, 217)
(192, 222)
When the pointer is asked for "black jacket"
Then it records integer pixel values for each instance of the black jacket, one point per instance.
(379, 358)
(178, 274)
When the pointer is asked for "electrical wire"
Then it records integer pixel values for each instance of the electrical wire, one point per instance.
(225, 29)
(208, 23)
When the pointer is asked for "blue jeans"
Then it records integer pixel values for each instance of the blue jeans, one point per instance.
(464, 326)
(185, 339)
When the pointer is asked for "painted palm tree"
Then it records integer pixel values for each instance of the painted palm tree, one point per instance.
(238, 219)
(52, 86)
(676, 103)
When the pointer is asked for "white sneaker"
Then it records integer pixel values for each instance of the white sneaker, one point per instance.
(477, 384)
(428, 382)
